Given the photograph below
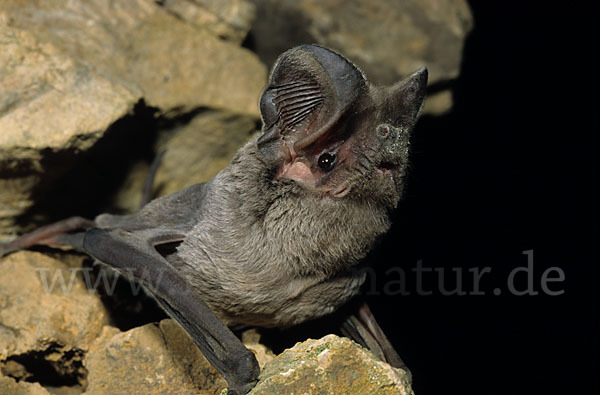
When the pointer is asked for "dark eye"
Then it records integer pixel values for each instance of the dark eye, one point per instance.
(326, 161)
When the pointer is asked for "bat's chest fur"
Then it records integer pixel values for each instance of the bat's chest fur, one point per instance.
(294, 262)
(262, 254)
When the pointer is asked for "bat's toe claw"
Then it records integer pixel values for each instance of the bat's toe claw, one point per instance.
(241, 390)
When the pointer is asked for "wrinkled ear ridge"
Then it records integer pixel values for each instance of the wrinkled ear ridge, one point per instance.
(310, 87)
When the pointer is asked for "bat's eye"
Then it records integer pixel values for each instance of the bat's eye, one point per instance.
(326, 161)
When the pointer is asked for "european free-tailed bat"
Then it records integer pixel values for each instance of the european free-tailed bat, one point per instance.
(274, 238)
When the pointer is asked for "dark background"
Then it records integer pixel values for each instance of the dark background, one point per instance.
(506, 171)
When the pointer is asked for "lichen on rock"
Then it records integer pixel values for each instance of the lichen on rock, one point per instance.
(331, 365)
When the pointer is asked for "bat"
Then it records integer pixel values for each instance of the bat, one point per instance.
(275, 238)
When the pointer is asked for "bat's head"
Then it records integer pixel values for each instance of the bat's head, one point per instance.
(334, 134)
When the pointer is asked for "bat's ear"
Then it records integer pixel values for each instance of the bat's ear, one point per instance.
(309, 88)
(407, 96)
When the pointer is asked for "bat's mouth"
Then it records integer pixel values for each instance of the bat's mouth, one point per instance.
(385, 167)
(386, 172)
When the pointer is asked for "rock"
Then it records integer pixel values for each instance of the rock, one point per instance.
(56, 332)
(181, 68)
(71, 71)
(251, 339)
(48, 104)
(48, 318)
(330, 365)
(10, 386)
(388, 39)
(150, 359)
(143, 46)
(162, 358)
(43, 302)
(230, 20)
(198, 150)
(195, 151)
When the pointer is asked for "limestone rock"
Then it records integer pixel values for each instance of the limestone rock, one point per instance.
(251, 339)
(230, 19)
(199, 70)
(47, 316)
(45, 92)
(70, 71)
(63, 326)
(48, 104)
(139, 44)
(44, 301)
(198, 150)
(163, 359)
(388, 39)
(150, 359)
(10, 386)
(195, 151)
(330, 365)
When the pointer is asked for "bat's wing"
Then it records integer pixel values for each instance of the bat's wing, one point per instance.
(178, 212)
(131, 245)
(135, 253)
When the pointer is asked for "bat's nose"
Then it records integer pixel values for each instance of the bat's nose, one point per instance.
(387, 132)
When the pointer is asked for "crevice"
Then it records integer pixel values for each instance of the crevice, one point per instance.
(55, 367)
(127, 304)
(84, 183)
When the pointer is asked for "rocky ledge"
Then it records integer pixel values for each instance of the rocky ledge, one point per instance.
(57, 336)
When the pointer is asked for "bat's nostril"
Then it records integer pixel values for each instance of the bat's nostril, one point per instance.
(384, 130)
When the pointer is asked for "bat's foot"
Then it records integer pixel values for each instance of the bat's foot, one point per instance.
(241, 390)
(244, 373)
(362, 327)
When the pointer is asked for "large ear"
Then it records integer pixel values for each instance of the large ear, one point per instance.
(310, 87)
